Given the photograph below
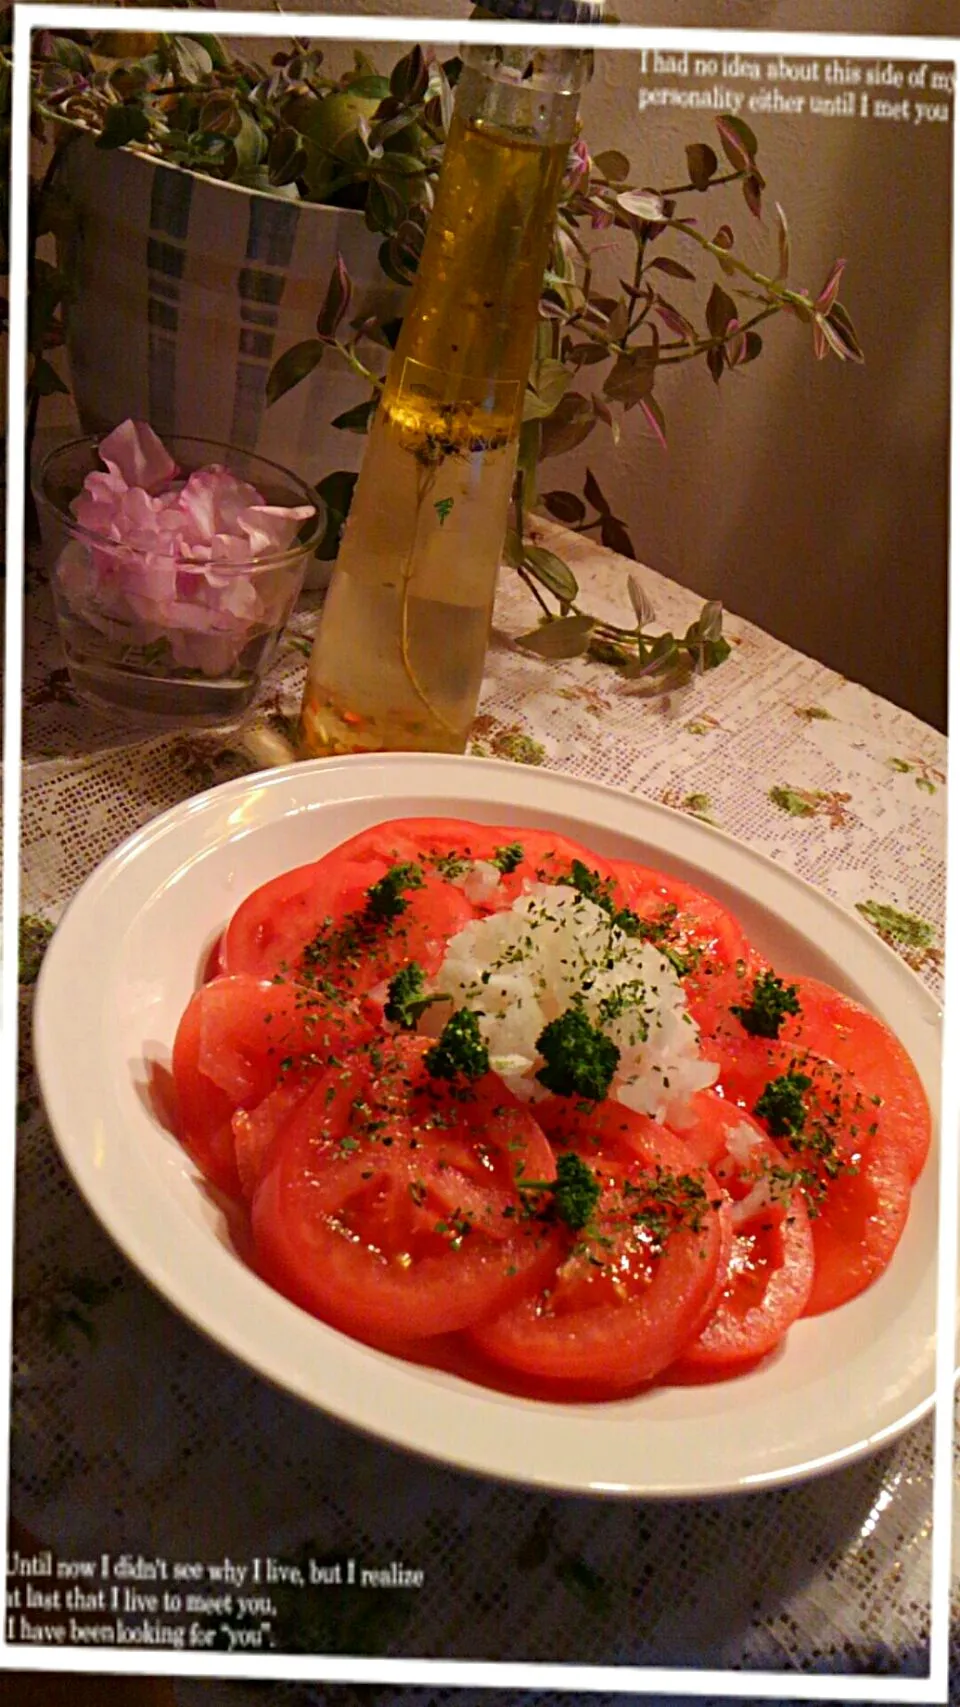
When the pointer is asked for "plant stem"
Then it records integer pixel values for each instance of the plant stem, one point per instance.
(357, 366)
(686, 352)
(771, 286)
(529, 582)
(681, 189)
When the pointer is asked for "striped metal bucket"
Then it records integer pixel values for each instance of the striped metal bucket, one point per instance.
(185, 291)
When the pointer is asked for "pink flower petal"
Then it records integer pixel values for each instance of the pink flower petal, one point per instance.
(230, 549)
(271, 528)
(134, 449)
(214, 498)
(179, 558)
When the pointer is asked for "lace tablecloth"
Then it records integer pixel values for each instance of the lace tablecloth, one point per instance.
(132, 1434)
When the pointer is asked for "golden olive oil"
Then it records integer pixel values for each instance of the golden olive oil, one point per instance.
(399, 657)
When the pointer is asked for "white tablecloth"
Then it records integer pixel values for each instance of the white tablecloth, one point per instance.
(132, 1433)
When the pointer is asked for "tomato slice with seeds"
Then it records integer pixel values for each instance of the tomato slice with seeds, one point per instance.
(770, 1274)
(634, 1286)
(831, 1025)
(319, 1102)
(445, 844)
(859, 1192)
(834, 1025)
(231, 1045)
(420, 1229)
(686, 920)
(315, 926)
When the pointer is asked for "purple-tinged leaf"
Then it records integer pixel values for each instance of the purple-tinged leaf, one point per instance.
(654, 414)
(738, 142)
(618, 323)
(834, 341)
(819, 341)
(736, 345)
(831, 288)
(674, 269)
(631, 377)
(715, 362)
(382, 130)
(572, 421)
(293, 366)
(603, 413)
(721, 309)
(840, 321)
(752, 188)
(612, 165)
(754, 346)
(410, 77)
(663, 653)
(642, 204)
(587, 355)
(676, 321)
(337, 300)
(783, 245)
(724, 239)
(701, 164)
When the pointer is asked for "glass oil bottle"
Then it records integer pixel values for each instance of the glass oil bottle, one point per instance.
(399, 656)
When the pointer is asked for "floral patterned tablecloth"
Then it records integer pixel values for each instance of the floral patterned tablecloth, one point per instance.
(132, 1434)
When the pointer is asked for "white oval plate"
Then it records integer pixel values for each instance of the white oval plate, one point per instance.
(842, 1386)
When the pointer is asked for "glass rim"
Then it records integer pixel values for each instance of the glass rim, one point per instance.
(274, 560)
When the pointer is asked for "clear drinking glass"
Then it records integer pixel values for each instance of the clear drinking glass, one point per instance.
(184, 646)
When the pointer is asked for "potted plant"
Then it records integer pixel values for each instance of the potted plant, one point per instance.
(243, 161)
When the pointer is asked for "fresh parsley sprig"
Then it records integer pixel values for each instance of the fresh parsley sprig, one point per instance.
(772, 1000)
(460, 1051)
(572, 1197)
(386, 899)
(579, 1059)
(782, 1106)
(507, 858)
(407, 997)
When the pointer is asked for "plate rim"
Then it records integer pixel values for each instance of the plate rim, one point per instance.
(413, 773)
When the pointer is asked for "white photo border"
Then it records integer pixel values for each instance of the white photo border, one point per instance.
(28, 17)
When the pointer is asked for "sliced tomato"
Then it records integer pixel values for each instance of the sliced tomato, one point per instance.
(418, 1231)
(770, 1274)
(860, 1194)
(707, 1127)
(231, 1047)
(607, 1129)
(315, 926)
(321, 1104)
(849, 1034)
(685, 919)
(635, 1286)
(830, 1025)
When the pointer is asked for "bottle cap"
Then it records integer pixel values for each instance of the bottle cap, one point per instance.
(545, 11)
